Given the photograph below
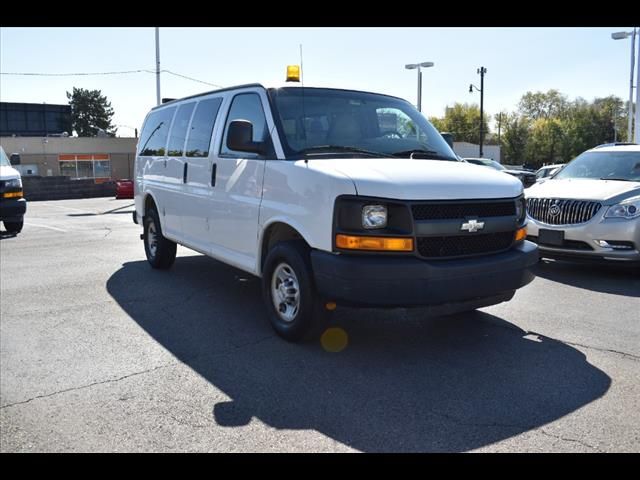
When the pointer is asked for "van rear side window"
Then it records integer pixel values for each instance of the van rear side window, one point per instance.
(153, 139)
(202, 127)
(179, 130)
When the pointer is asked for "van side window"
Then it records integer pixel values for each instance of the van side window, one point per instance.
(246, 106)
(202, 127)
(179, 130)
(153, 139)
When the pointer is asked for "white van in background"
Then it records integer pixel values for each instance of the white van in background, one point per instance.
(12, 204)
(331, 197)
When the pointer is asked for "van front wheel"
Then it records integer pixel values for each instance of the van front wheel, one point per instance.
(161, 252)
(14, 227)
(289, 294)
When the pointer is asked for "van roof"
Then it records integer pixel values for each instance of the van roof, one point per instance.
(207, 93)
(237, 87)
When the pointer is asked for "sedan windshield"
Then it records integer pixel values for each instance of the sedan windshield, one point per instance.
(326, 122)
(623, 166)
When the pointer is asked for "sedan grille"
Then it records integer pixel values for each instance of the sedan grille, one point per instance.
(561, 212)
(463, 245)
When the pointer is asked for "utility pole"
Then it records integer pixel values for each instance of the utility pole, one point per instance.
(481, 71)
(158, 65)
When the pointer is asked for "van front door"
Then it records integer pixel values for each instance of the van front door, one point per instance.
(237, 192)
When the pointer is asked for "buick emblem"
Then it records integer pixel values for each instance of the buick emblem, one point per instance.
(472, 226)
(554, 210)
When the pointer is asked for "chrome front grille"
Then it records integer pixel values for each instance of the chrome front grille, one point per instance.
(553, 211)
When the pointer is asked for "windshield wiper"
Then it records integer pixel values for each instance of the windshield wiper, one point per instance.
(340, 148)
(430, 153)
(618, 178)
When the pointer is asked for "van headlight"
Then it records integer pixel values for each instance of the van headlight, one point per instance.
(374, 216)
(630, 208)
(13, 183)
(521, 209)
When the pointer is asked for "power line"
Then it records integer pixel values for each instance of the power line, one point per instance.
(191, 78)
(41, 74)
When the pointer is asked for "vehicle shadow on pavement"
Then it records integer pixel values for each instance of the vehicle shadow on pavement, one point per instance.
(403, 383)
(614, 279)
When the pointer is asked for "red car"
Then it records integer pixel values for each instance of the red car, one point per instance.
(124, 189)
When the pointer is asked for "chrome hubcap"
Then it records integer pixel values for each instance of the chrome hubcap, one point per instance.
(152, 238)
(285, 292)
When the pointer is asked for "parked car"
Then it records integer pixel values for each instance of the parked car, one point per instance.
(590, 210)
(332, 197)
(12, 204)
(526, 177)
(548, 171)
(124, 189)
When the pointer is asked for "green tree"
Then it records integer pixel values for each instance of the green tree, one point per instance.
(90, 111)
(551, 104)
(463, 121)
(545, 143)
(514, 138)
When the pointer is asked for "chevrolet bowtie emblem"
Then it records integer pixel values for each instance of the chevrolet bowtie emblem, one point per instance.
(472, 226)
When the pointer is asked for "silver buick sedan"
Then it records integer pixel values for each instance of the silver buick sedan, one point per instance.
(591, 209)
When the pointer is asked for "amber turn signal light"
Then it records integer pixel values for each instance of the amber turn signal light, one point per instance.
(521, 234)
(388, 244)
(12, 195)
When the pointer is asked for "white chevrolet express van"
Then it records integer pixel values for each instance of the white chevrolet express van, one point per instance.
(331, 197)
(12, 204)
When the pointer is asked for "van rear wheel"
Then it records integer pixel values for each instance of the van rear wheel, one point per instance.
(160, 251)
(289, 293)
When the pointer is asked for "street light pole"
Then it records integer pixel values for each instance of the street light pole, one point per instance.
(158, 65)
(620, 36)
(413, 66)
(637, 138)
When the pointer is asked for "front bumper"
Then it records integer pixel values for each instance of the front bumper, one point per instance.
(12, 209)
(598, 228)
(396, 281)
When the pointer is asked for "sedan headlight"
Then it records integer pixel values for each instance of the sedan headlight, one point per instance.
(13, 183)
(630, 208)
(374, 216)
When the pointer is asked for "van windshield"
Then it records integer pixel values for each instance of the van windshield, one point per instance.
(4, 160)
(322, 122)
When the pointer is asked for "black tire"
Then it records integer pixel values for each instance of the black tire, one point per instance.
(164, 253)
(14, 227)
(310, 317)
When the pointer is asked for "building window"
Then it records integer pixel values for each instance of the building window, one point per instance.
(96, 166)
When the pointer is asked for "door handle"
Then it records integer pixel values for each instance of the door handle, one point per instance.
(213, 174)
(184, 172)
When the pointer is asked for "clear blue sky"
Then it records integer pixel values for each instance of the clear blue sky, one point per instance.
(583, 62)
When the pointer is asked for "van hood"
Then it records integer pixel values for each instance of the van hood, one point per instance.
(584, 189)
(418, 179)
(7, 173)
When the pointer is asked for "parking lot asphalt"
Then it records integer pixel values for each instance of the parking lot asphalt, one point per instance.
(98, 352)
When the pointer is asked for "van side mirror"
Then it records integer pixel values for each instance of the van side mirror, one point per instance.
(240, 138)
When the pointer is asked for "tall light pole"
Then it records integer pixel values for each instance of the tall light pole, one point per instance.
(637, 139)
(413, 66)
(621, 36)
(158, 65)
(481, 71)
